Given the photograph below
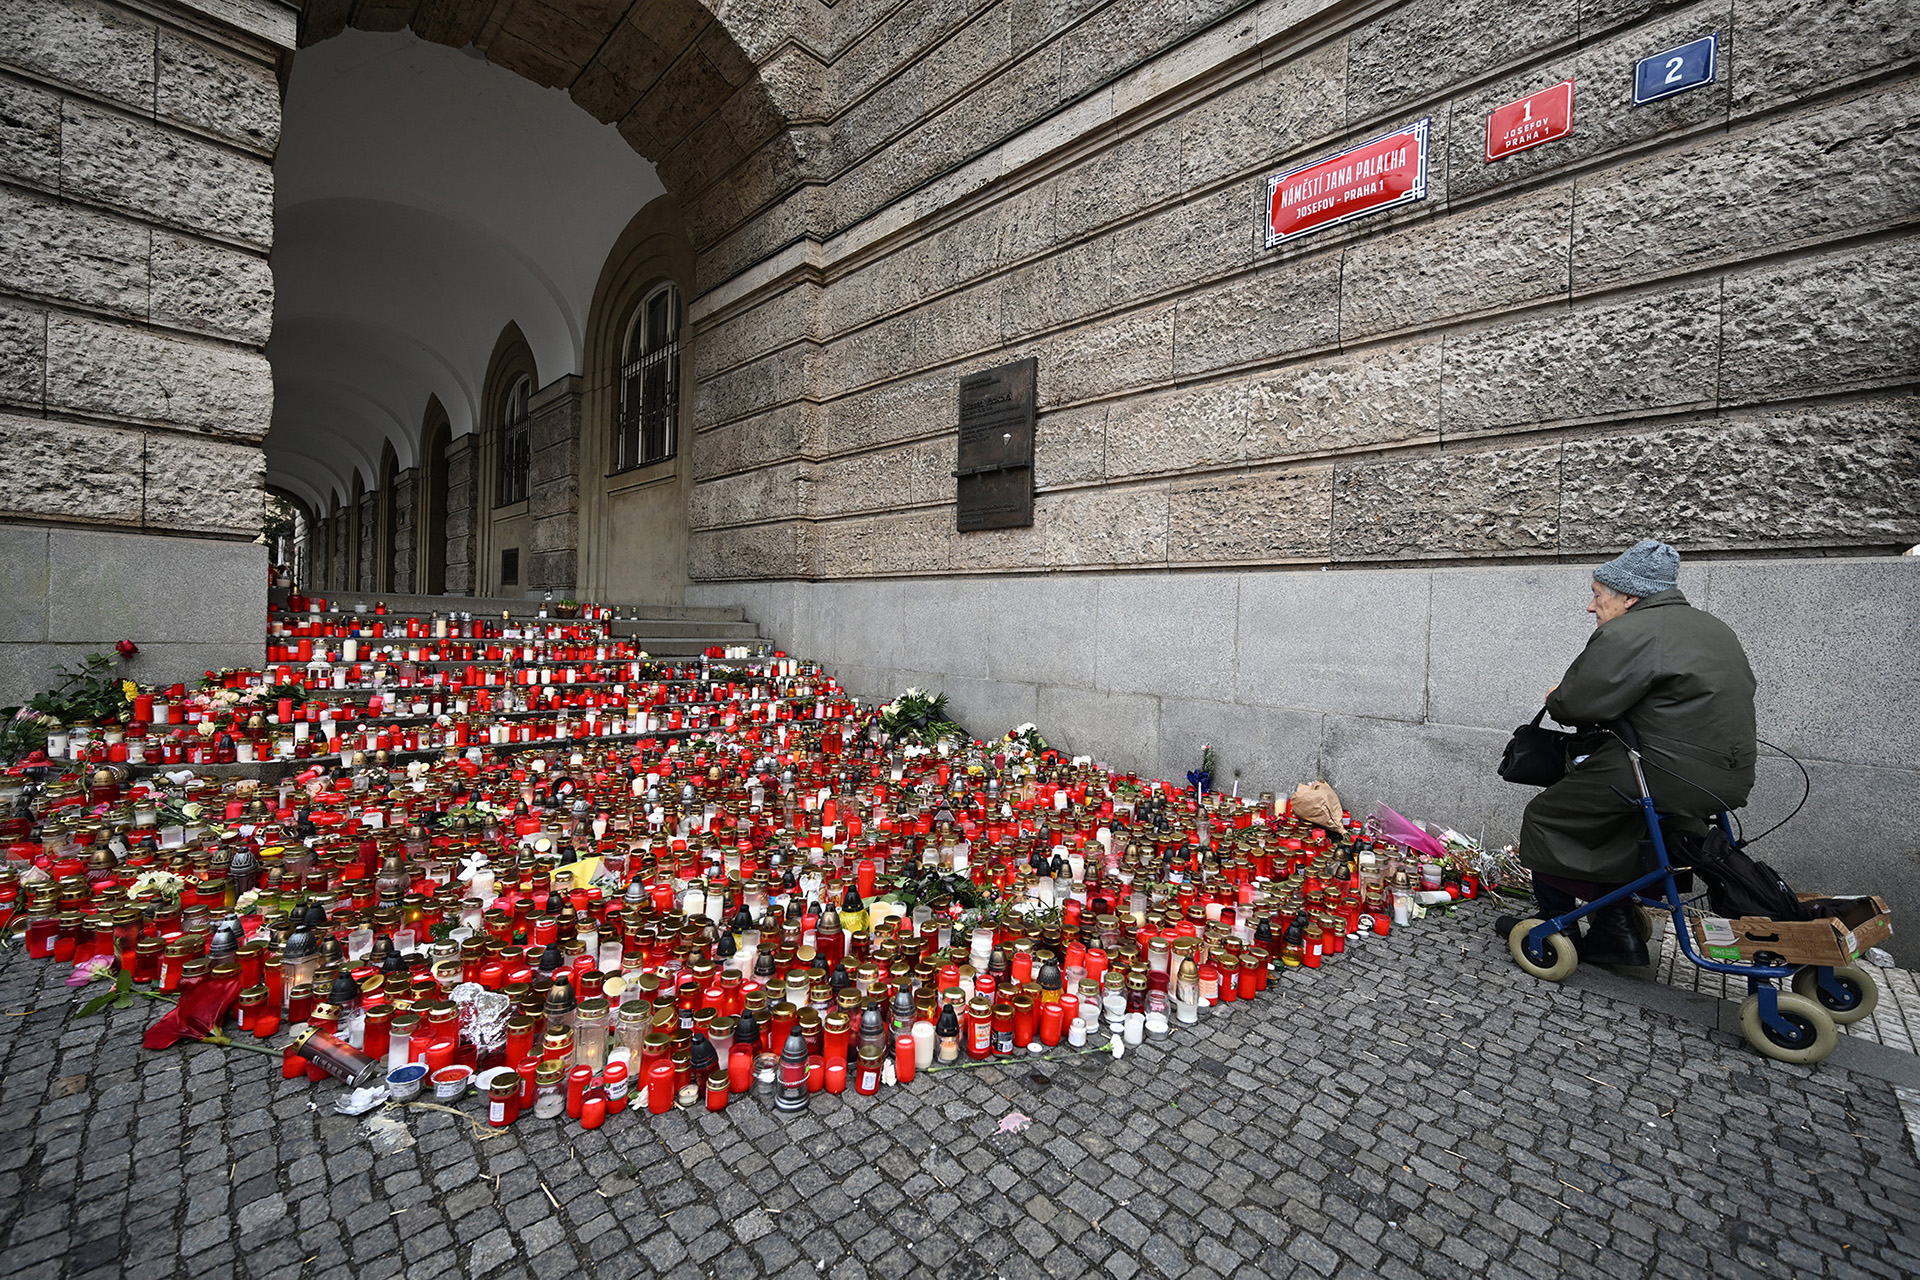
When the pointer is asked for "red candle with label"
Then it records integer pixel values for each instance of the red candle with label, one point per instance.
(616, 1086)
(503, 1101)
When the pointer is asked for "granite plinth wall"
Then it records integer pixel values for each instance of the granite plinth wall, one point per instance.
(1398, 686)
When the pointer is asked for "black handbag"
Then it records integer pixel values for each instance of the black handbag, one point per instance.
(1536, 757)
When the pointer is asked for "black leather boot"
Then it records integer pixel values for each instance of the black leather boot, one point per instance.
(1550, 902)
(1613, 938)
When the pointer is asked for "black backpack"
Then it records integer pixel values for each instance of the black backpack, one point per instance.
(1739, 886)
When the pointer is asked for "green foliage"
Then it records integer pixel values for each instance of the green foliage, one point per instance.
(92, 690)
(918, 718)
(924, 884)
(121, 997)
(22, 730)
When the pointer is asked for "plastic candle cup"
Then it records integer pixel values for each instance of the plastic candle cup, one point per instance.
(660, 1088)
(906, 1054)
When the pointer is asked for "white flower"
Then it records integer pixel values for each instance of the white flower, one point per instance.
(163, 883)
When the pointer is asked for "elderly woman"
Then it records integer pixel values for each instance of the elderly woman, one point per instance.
(1681, 679)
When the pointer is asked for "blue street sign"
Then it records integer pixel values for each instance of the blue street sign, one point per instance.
(1675, 70)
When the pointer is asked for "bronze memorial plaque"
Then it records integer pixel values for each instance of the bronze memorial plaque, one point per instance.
(995, 472)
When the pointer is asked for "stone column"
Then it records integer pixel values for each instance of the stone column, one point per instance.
(553, 488)
(463, 457)
(406, 501)
(136, 215)
(339, 574)
(367, 572)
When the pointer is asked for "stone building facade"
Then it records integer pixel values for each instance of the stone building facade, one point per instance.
(1323, 505)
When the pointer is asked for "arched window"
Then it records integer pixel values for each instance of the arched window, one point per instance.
(648, 429)
(515, 442)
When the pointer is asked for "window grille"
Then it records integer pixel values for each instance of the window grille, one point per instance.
(515, 442)
(648, 428)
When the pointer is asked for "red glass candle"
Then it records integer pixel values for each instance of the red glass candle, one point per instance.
(717, 1091)
(836, 1076)
(593, 1109)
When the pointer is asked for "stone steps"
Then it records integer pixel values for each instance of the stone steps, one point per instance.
(402, 605)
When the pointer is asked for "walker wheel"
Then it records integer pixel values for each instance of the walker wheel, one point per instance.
(1862, 992)
(1643, 921)
(1813, 1036)
(1559, 960)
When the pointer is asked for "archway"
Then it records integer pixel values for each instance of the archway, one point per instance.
(431, 198)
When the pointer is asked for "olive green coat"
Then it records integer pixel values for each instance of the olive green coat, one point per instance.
(1681, 679)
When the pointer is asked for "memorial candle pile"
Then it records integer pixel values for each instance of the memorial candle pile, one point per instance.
(523, 858)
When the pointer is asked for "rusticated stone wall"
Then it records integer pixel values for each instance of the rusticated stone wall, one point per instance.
(135, 218)
(406, 487)
(340, 567)
(135, 299)
(553, 488)
(1694, 318)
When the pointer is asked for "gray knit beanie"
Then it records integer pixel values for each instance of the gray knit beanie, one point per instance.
(1649, 568)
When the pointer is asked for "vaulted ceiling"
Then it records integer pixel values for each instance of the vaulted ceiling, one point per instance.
(424, 199)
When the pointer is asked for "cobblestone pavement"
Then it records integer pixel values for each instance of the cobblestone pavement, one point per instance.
(1418, 1108)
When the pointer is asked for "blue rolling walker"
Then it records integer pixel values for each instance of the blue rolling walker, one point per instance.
(1791, 1026)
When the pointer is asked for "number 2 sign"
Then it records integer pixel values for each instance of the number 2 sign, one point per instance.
(1675, 70)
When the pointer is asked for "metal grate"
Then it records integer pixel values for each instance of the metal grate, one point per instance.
(649, 424)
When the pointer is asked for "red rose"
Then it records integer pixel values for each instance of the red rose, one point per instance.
(127, 648)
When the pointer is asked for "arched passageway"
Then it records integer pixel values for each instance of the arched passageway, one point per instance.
(443, 227)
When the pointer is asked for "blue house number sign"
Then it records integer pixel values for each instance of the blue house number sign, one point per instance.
(1675, 70)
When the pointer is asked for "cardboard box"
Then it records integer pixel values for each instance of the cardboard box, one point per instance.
(1834, 941)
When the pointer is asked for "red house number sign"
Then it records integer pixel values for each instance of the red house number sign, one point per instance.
(1532, 120)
